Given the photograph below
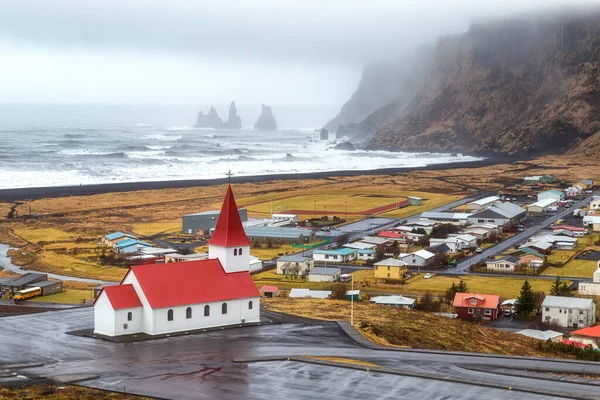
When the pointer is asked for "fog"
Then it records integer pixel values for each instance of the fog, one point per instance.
(291, 52)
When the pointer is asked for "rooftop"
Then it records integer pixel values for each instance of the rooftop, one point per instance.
(26, 279)
(374, 240)
(567, 302)
(541, 335)
(130, 242)
(543, 203)
(390, 262)
(393, 300)
(344, 251)
(294, 258)
(487, 300)
(510, 259)
(423, 254)
(116, 235)
(444, 215)
(325, 271)
(360, 245)
(485, 200)
(229, 230)
(122, 296)
(277, 232)
(592, 331)
(210, 212)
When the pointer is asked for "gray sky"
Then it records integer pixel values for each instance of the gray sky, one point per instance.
(281, 52)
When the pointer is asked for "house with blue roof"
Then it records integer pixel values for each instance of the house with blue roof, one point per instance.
(554, 194)
(129, 245)
(341, 255)
(112, 238)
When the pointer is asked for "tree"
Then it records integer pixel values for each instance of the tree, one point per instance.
(560, 288)
(379, 253)
(342, 239)
(526, 302)
(441, 231)
(427, 303)
(462, 287)
(338, 291)
(423, 241)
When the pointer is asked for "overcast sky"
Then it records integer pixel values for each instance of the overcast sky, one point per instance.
(282, 52)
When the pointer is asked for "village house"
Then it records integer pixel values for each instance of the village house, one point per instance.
(465, 241)
(573, 191)
(112, 238)
(395, 301)
(550, 194)
(589, 336)
(324, 274)
(128, 246)
(421, 258)
(186, 296)
(269, 291)
(592, 222)
(361, 246)
(454, 244)
(540, 246)
(503, 264)
(595, 203)
(296, 263)
(529, 257)
(391, 235)
(532, 180)
(414, 201)
(568, 312)
(591, 288)
(541, 206)
(492, 228)
(589, 183)
(389, 268)
(378, 241)
(366, 254)
(440, 250)
(478, 233)
(176, 257)
(477, 306)
(424, 224)
(483, 203)
(568, 230)
(298, 293)
(340, 255)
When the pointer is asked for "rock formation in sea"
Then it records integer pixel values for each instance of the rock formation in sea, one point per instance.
(233, 121)
(266, 121)
(344, 146)
(324, 134)
(211, 120)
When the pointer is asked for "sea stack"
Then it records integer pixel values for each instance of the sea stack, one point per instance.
(233, 121)
(266, 121)
(324, 134)
(211, 120)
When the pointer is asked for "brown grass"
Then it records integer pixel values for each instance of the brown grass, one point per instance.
(343, 360)
(410, 328)
(53, 392)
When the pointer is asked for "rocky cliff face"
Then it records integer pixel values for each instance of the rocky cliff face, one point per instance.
(519, 86)
(266, 121)
(233, 121)
(211, 120)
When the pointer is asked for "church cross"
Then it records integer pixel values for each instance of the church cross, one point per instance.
(229, 174)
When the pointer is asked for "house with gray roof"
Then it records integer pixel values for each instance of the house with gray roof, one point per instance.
(325, 274)
(296, 264)
(569, 312)
(503, 264)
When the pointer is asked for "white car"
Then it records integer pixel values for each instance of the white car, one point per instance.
(479, 250)
(427, 276)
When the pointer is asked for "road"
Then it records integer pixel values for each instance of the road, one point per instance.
(201, 366)
(462, 267)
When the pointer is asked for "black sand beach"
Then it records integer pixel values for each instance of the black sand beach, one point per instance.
(7, 195)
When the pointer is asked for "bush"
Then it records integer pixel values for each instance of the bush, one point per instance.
(338, 292)
(587, 353)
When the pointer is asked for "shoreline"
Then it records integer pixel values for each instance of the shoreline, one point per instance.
(35, 193)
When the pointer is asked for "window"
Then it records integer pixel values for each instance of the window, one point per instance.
(581, 312)
(188, 313)
(335, 257)
(170, 315)
(207, 310)
(235, 252)
(129, 316)
(376, 268)
(487, 312)
(250, 305)
(240, 251)
(388, 274)
(471, 311)
(388, 268)
(473, 301)
(547, 309)
(560, 311)
(224, 308)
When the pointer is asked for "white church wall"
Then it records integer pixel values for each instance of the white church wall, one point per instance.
(147, 313)
(236, 311)
(230, 258)
(104, 317)
(125, 327)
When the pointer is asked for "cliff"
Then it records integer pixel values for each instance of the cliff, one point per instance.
(524, 85)
(266, 121)
(233, 121)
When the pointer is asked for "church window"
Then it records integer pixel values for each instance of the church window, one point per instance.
(240, 251)
(207, 310)
(224, 308)
(129, 316)
(235, 252)
(188, 313)
(250, 305)
(170, 315)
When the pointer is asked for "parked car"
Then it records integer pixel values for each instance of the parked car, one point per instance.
(479, 250)
(427, 276)
(507, 313)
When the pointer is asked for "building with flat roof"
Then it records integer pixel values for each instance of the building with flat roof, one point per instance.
(279, 235)
(340, 255)
(445, 217)
(203, 223)
(541, 206)
(483, 203)
(325, 274)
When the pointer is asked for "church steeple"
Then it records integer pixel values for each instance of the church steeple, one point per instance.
(229, 242)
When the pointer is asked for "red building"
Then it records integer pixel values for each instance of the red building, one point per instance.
(472, 305)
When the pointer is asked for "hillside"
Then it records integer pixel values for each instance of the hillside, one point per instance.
(524, 85)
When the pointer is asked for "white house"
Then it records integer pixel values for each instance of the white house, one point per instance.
(503, 264)
(465, 240)
(541, 206)
(366, 254)
(595, 203)
(298, 293)
(592, 222)
(396, 301)
(550, 194)
(445, 217)
(500, 214)
(340, 255)
(421, 258)
(360, 246)
(569, 312)
(185, 296)
(483, 203)
(591, 288)
(452, 243)
(573, 191)
(324, 274)
(295, 261)
(176, 257)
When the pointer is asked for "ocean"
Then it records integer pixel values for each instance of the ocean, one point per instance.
(61, 145)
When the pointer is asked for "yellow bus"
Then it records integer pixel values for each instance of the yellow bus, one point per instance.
(27, 293)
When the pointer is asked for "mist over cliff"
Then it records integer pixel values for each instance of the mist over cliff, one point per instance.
(520, 85)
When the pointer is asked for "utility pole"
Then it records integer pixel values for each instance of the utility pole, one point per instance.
(352, 300)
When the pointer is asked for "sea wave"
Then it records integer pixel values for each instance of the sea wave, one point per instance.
(161, 137)
(158, 147)
(74, 135)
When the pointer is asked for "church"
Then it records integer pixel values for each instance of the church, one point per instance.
(177, 297)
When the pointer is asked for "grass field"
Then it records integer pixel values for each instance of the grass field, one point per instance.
(560, 256)
(69, 296)
(271, 278)
(410, 328)
(579, 268)
(65, 264)
(431, 201)
(45, 234)
(153, 228)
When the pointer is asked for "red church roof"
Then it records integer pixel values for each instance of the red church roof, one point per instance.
(229, 231)
(122, 296)
(192, 282)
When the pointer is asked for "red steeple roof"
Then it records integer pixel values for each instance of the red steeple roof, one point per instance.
(229, 231)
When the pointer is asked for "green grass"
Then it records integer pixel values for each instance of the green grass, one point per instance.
(153, 228)
(579, 268)
(560, 256)
(272, 278)
(69, 296)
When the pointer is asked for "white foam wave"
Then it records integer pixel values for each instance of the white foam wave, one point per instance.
(144, 154)
(85, 152)
(164, 138)
(152, 147)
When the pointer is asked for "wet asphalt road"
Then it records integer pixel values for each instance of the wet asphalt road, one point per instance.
(201, 366)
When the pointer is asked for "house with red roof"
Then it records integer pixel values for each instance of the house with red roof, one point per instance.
(589, 336)
(183, 296)
(477, 306)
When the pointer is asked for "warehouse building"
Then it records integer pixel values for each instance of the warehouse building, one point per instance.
(445, 217)
(203, 223)
(13, 285)
(541, 206)
(500, 214)
(324, 274)
(550, 194)
(279, 235)
(483, 203)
